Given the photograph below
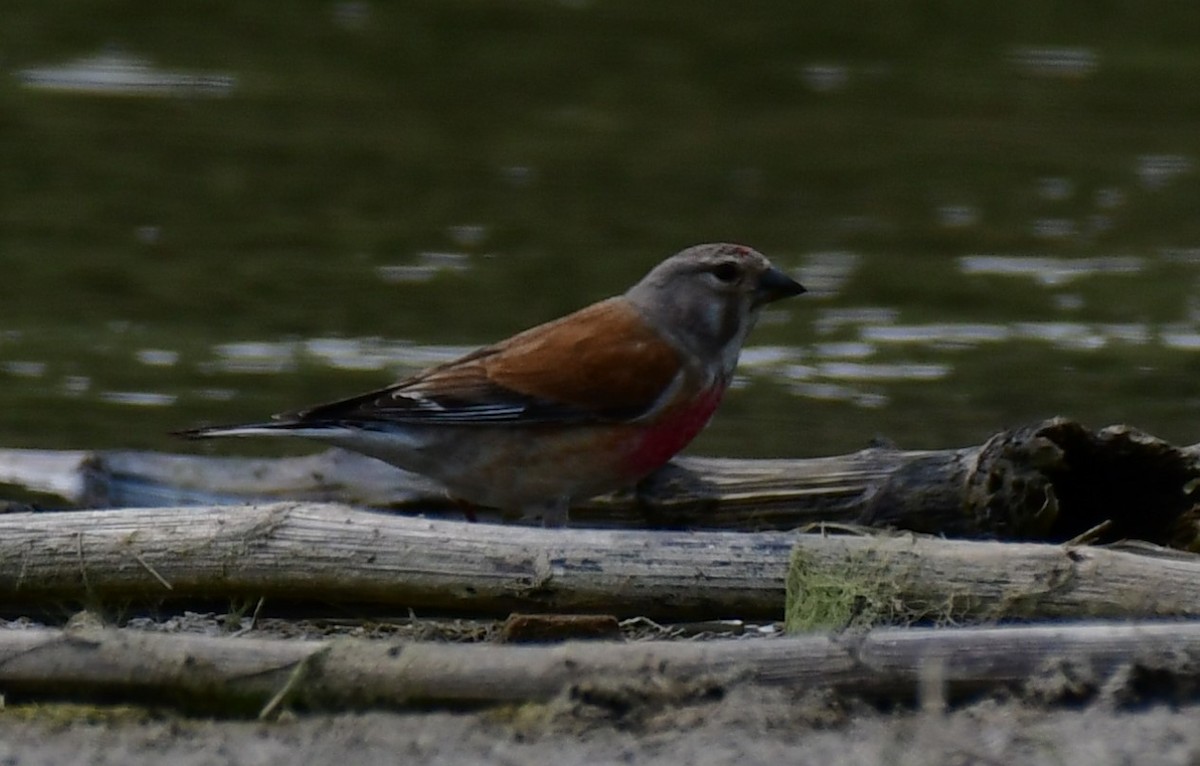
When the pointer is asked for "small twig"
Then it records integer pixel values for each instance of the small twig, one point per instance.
(253, 619)
(297, 677)
(152, 571)
(1087, 537)
(825, 527)
(646, 622)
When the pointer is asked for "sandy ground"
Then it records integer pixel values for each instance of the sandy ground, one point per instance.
(747, 726)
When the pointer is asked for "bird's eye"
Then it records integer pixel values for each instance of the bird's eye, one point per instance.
(726, 272)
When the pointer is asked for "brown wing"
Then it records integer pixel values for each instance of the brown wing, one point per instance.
(600, 363)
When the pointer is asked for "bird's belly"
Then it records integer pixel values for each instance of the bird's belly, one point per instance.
(509, 468)
(524, 467)
(517, 468)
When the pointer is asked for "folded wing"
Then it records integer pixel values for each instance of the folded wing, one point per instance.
(603, 363)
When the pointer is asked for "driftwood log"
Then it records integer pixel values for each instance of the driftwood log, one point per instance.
(313, 554)
(1051, 481)
(246, 676)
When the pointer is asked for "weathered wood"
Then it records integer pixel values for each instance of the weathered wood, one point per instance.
(246, 675)
(311, 553)
(326, 553)
(1051, 481)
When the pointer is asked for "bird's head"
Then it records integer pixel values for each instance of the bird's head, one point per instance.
(707, 298)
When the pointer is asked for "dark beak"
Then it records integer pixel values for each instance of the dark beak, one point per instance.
(774, 285)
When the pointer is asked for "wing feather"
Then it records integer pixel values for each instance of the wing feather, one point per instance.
(602, 363)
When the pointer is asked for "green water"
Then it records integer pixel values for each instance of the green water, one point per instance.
(580, 142)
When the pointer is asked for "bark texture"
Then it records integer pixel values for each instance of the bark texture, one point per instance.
(1050, 481)
(321, 553)
(247, 676)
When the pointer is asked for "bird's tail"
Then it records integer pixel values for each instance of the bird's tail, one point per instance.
(277, 428)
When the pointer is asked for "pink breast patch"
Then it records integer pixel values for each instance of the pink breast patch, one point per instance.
(659, 442)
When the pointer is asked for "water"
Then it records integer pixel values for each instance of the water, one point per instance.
(115, 73)
(215, 216)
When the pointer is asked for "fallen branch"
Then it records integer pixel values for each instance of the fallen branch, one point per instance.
(245, 676)
(313, 554)
(1052, 481)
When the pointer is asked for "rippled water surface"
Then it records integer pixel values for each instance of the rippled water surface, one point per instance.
(217, 212)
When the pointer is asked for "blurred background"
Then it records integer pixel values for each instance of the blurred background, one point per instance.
(214, 211)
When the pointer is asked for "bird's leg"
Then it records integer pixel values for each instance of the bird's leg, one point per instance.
(553, 513)
(468, 509)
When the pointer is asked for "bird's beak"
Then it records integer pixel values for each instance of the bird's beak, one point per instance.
(774, 285)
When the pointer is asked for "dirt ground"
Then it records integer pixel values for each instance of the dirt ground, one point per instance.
(1044, 723)
(748, 726)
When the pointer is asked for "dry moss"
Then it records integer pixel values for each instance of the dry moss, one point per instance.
(71, 713)
(853, 593)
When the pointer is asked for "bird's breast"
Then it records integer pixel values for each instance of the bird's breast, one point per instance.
(660, 441)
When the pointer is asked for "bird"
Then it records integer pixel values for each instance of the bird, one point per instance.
(580, 406)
